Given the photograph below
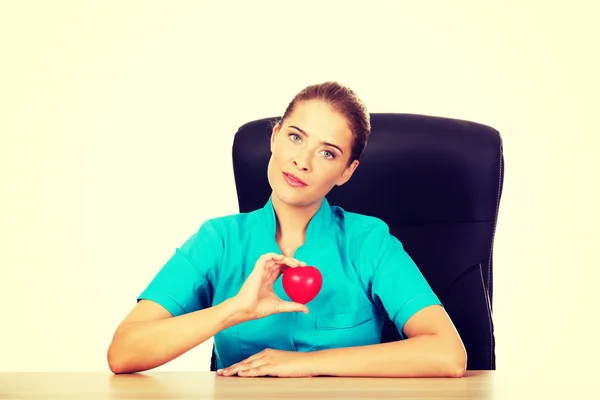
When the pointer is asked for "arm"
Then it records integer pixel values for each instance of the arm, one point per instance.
(431, 345)
(149, 336)
(433, 348)
(173, 314)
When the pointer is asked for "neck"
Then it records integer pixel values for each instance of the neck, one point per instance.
(292, 221)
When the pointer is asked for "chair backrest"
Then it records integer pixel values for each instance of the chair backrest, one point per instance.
(437, 183)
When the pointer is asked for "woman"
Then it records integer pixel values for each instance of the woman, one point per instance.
(223, 281)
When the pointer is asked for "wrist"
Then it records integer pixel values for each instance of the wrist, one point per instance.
(236, 311)
(311, 361)
(318, 361)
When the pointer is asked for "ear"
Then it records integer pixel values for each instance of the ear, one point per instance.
(274, 133)
(347, 174)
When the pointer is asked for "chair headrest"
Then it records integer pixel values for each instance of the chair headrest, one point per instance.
(416, 169)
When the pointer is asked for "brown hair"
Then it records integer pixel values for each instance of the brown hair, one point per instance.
(346, 102)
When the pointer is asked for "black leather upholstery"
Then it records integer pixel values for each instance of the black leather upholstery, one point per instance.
(437, 183)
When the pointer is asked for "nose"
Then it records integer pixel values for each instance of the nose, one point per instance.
(302, 161)
(300, 167)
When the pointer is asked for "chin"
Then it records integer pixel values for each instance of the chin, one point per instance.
(288, 196)
(295, 197)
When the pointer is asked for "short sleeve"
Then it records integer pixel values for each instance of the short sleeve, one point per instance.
(181, 285)
(395, 280)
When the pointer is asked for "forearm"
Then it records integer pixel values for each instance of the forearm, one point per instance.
(144, 345)
(421, 356)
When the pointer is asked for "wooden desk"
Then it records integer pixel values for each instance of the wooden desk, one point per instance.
(207, 385)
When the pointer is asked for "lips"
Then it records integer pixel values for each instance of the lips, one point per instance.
(293, 180)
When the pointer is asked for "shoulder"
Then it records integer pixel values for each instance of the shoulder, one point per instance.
(368, 238)
(229, 225)
(213, 235)
(358, 227)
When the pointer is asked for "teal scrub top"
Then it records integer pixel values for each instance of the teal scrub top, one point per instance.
(366, 274)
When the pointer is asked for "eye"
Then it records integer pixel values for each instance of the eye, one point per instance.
(328, 154)
(294, 137)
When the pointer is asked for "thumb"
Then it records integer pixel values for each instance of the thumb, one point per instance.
(289, 306)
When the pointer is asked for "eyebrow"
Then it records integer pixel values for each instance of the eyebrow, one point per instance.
(325, 143)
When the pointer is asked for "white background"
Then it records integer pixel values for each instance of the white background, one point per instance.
(117, 120)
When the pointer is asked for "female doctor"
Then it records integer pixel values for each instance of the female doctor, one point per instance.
(223, 282)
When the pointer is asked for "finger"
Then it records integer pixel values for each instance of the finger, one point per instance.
(296, 261)
(281, 265)
(290, 306)
(248, 366)
(291, 262)
(226, 371)
(267, 262)
(248, 363)
(270, 257)
(233, 369)
(275, 261)
(281, 257)
(223, 371)
(301, 263)
(254, 372)
(287, 261)
(255, 357)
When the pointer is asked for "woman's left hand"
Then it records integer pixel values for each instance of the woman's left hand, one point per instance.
(269, 362)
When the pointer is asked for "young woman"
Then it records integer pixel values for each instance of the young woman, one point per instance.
(223, 282)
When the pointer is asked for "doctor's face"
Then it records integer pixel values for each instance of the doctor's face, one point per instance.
(310, 151)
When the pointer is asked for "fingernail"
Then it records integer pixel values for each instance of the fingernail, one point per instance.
(225, 371)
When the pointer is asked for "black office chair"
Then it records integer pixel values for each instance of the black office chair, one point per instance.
(437, 183)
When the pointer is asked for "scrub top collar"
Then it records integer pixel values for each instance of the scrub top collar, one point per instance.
(320, 221)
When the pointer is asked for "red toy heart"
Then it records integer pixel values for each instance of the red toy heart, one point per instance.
(302, 284)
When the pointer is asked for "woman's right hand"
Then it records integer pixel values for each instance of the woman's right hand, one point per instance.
(256, 296)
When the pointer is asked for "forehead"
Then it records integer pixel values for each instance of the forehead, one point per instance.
(320, 121)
